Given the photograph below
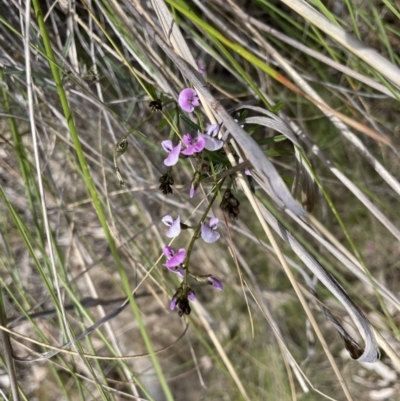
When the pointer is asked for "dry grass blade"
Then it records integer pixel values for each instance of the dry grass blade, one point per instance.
(173, 35)
(297, 45)
(345, 257)
(369, 55)
(304, 176)
(338, 123)
(387, 223)
(371, 352)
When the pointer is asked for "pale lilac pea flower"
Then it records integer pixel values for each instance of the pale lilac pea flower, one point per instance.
(193, 145)
(213, 130)
(174, 152)
(188, 100)
(215, 283)
(174, 226)
(211, 138)
(174, 260)
(192, 295)
(208, 232)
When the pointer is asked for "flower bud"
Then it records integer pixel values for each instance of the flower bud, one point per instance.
(194, 184)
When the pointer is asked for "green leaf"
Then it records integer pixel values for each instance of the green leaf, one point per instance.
(274, 139)
(276, 153)
(190, 123)
(152, 91)
(164, 121)
(253, 129)
(218, 158)
(277, 107)
(288, 180)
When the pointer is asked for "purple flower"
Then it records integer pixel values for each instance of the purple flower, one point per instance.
(215, 282)
(188, 100)
(201, 69)
(193, 145)
(192, 295)
(174, 260)
(172, 304)
(208, 232)
(211, 138)
(246, 170)
(173, 156)
(174, 226)
(194, 184)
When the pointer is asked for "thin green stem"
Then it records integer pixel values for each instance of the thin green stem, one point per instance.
(197, 230)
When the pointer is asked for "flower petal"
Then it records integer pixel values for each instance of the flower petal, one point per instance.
(168, 252)
(167, 145)
(192, 295)
(188, 151)
(201, 69)
(209, 236)
(185, 99)
(246, 170)
(167, 220)
(213, 224)
(176, 270)
(199, 144)
(191, 192)
(175, 228)
(215, 282)
(195, 101)
(172, 304)
(213, 130)
(211, 144)
(173, 156)
(177, 259)
(187, 139)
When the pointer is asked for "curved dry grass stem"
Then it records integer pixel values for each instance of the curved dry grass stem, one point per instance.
(300, 296)
(357, 143)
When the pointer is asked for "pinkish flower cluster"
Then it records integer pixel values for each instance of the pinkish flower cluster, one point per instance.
(190, 145)
(177, 261)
